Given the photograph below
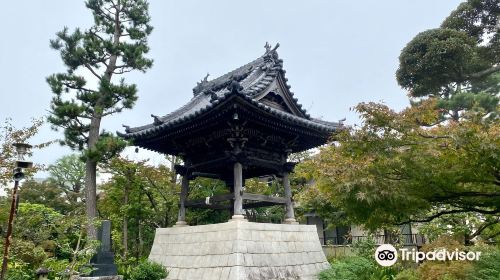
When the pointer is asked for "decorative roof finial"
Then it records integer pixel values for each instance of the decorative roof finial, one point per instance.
(200, 85)
(235, 86)
(156, 120)
(276, 47)
(127, 128)
(267, 47)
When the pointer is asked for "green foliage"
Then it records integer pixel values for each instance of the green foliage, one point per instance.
(457, 62)
(8, 156)
(271, 187)
(408, 274)
(486, 268)
(478, 18)
(114, 45)
(68, 172)
(365, 248)
(200, 188)
(19, 271)
(47, 193)
(44, 237)
(462, 226)
(126, 266)
(349, 268)
(148, 271)
(140, 198)
(393, 170)
(444, 270)
(425, 59)
(38, 222)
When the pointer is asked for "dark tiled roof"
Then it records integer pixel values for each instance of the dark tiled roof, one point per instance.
(252, 79)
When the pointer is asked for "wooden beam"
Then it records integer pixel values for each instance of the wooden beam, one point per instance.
(258, 204)
(264, 198)
(213, 199)
(212, 206)
(229, 206)
(205, 175)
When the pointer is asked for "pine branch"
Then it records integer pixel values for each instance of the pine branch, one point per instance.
(93, 72)
(122, 71)
(110, 112)
(72, 86)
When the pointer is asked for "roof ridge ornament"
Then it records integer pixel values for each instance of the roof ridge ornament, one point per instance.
(271, 57)
(235, 86)
(213, 95)
(127, 128)
(267, 46)
(156, 120)
(200, 85)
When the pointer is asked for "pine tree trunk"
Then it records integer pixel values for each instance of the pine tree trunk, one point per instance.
(91, 198)
(91, 178)
(94, 129)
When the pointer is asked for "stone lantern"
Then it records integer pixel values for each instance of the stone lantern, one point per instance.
(42, 273)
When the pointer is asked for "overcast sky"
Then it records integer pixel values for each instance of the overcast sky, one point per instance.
(336, 53)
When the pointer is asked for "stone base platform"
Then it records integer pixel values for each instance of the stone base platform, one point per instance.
(240, 250)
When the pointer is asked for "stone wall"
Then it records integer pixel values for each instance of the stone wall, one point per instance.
(240, 250)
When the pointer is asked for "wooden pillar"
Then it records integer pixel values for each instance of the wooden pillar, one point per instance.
(290, 215)
(238, 187)
(181, 218)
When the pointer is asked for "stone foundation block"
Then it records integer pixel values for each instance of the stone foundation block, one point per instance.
(240, 250)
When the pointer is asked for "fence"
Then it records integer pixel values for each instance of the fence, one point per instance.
(405, 239)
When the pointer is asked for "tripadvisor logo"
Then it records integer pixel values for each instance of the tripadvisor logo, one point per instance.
(387, 255)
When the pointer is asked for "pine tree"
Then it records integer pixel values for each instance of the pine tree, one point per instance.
(459, 62)
(114, 45)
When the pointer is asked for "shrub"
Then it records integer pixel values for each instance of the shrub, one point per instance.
(355, 268)
(408, 274)
(19, 271)
(148, 271)
(487, 267)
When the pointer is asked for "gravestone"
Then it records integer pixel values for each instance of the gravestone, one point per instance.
(103, 261)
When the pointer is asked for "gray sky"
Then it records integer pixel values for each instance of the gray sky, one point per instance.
(336, 53)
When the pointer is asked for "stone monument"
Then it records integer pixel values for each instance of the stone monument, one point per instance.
(103, 261)
(243, 124)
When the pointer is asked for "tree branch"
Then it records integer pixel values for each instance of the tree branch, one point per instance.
(483, 227)
(437, 215)
(483, 73)
(433, 136)
(92, 70)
